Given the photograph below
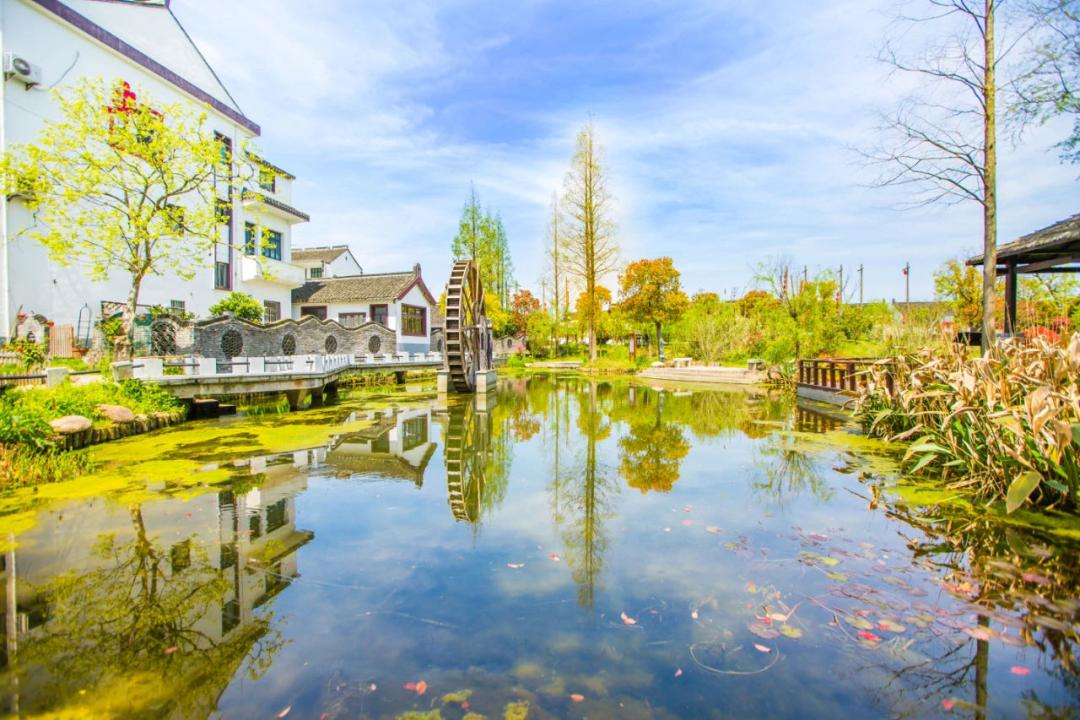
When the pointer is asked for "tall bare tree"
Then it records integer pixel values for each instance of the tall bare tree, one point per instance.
(941, 141)
(557, 258)
(591, 251)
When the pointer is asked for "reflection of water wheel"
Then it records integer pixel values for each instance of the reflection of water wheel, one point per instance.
(465, 327)
(465, 445)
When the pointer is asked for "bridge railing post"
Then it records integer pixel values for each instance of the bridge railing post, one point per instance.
(152, 368)
(207, 366)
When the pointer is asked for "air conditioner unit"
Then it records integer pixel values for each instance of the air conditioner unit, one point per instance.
(21, 69)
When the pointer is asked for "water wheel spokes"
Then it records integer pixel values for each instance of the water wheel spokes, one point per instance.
(464, 321)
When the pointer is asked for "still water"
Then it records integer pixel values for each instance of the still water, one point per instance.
(578, 548)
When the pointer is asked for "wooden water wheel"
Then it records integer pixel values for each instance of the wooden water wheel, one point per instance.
(468, 338)
(466, 439)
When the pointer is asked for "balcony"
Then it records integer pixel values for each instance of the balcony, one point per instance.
(271, 271)
(264, 202)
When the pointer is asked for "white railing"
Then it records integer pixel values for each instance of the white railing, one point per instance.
(154, 368)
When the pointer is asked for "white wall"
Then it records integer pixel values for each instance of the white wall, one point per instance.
(342, 266)
(29, 279)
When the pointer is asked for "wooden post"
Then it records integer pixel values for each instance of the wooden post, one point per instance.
(1010, 298)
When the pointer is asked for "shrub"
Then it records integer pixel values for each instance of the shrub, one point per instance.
(239, 304)
(32, 354)
(23, 466)
(1004, 425)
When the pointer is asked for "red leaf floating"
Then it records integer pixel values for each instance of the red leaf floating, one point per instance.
(171, 649)
(577, 698)
(678, 672)
(627, 620)
(1019, 670)
(948, 704)
(554, 557)
(421, 687)
(869, 636)
(285, 711)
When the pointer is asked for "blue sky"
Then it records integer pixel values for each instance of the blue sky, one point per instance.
(728, 130)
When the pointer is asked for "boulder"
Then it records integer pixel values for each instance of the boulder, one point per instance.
(70, 424)
(116, 413)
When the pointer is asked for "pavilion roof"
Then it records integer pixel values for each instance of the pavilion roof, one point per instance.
(1058, 244)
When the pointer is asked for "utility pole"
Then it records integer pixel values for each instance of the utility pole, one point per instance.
(841, 284)
(860, 284)
(805, 275)
(907, 289)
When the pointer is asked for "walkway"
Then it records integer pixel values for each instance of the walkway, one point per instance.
(298, 376)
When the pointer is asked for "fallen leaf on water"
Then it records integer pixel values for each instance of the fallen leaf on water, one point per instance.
(694, 614)
(577, 698)
(712, 529)
(515, 566)
(678, 672)
(627, 620)
(857, 622)
(890, 626)
(687, 522)
(791, 632)
(667, 529)
(171, 649)
(555, 557)
(410, 686)
(837, 576)
(1019, 670)
(688, 508)
(751, 587)
(421, 687)
(763, 631)
(979, 633)
(285, 711)
(761, 648)
(869, 636)
(948, 704)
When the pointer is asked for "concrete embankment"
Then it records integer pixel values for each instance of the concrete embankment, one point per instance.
(706, 374)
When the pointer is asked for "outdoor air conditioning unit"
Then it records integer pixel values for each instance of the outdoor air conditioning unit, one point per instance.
(22, 70)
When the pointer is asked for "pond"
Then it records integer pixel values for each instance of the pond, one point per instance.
(572, 548)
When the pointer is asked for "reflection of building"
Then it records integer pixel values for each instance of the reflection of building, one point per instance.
(105, 588)
(397, 446)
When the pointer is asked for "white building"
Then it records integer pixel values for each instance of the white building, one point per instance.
(400, 301)
(54, 43)
(327, 262)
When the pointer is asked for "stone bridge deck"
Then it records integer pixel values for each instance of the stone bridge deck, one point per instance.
(298, 376)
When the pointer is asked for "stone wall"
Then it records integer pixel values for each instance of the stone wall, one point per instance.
(227, 337)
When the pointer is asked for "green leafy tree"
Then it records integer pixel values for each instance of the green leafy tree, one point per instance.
(712, 330)
(482, 238)
(239, 304)
(651, 293)
(961, 286)
(122, 182)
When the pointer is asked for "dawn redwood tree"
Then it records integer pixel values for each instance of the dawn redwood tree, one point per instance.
(124, 183)
(651, 293)
(941, 141)
(591, 251)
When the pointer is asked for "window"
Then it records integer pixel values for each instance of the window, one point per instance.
(413, 320)
(379, 314)
(221, 276)
(315, 272)
(271, 311)
(267, 179)
(177, 305)
(271, 244)
(351, 320)
(317, 311)
(276, 516)
(224, 148)
(249, 238)
(414, 433)
(180, 556)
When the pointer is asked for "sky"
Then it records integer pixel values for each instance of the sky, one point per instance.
(731, 131)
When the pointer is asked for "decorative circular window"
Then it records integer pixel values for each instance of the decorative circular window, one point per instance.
(288, 344)
(374, 344)
(331, 344)
(163, 338)
(232, 344)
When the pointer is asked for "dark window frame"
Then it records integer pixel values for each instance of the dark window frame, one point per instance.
(272, 244)
(385, 315)
(250, 230)
(319, 311)
(315, 272)
(346, 317)
(269, 305)
(222, 275)
(405, 321)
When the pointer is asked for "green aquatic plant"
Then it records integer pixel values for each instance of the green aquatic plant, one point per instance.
(1003, 426)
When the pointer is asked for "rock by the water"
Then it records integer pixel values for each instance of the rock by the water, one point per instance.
(70, 424)
(116, 413)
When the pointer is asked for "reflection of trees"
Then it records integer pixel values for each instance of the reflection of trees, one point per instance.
(652, 452)
(789, 469)
(1017, 581)
(582, 493)
(132, 630)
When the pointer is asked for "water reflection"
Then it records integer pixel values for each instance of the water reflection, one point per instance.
(652, 452)
(398, 446)
(156, 614)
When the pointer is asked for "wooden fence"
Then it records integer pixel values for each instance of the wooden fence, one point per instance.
(839, 374)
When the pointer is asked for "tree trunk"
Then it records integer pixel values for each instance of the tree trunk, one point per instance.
(990, 184)
(659, 343)
(125, 342)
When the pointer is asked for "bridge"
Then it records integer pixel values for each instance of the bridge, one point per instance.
(297, 376)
